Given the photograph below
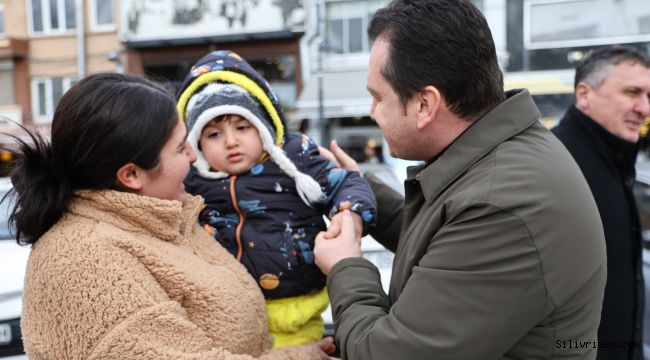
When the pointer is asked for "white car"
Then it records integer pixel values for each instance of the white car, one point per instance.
(13, 260)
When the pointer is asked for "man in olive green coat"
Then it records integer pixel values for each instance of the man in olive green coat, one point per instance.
(499, 248)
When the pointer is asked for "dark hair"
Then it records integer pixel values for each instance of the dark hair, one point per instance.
(222, 118)
(102, 122)
(444, 43)
(215, 121)
(595, 67)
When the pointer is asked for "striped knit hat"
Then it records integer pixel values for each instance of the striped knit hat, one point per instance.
(223, 83)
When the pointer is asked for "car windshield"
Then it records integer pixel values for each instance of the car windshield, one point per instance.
(6, 232)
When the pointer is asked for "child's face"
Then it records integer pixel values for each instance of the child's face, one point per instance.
(232, 145)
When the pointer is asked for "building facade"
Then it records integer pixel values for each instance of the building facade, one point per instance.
(48, 44)
(164, 38)
(313, 52)
(538, 43)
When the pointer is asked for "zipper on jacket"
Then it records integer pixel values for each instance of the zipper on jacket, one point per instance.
(233, 198)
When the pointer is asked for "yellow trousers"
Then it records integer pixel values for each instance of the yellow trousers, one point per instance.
(297, 320)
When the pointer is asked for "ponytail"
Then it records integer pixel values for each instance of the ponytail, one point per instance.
(41, 188)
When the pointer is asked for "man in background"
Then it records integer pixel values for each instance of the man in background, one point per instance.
(601, 131)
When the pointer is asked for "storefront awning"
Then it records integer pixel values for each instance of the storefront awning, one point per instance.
(541, 82)
(344, 95)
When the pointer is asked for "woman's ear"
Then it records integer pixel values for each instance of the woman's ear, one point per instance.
(429, 102)
(130, 177)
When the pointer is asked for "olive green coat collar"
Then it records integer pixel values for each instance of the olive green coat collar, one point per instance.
(512, 116)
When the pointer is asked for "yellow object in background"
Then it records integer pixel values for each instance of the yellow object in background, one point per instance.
(645, 127)
(6, 156)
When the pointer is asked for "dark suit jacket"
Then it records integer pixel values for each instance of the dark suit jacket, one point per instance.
(607, 162)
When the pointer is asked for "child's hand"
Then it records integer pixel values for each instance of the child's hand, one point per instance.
(335, 225)
(344, 244)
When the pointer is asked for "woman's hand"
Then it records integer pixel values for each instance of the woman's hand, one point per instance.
(336, 154)
(324, 346)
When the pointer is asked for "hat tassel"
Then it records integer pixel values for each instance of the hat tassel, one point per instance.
(308, 189)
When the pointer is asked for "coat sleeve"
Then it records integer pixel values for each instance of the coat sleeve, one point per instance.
(344, 190)
(475, 291)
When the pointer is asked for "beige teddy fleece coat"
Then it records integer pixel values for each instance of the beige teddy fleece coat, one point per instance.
(123, 276)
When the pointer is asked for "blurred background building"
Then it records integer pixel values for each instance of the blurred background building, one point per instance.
(45, 45)
(313, 52)
(538, 42)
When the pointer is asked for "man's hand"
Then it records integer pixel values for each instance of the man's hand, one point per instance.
(336, 154)
(339, 242)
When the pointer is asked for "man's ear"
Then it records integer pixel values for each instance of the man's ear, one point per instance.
(429, 101)
(130, 177)
(582, 95)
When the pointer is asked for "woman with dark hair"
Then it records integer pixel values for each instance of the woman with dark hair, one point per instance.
(120, 268)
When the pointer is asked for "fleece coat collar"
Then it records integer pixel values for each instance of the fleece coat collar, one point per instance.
(169, 220)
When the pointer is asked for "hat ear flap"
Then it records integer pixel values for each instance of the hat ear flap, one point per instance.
(201, 164)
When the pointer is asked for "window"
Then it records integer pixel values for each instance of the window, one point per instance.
(584, 23)
(2, 20)
(46, 93)
(102, 15)
(280, 72)
(347, 23)
(52, 16)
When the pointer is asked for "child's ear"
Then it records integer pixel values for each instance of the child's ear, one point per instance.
(130, 177)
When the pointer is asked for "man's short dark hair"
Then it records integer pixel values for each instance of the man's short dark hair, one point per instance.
(443, 43)
(596, 66)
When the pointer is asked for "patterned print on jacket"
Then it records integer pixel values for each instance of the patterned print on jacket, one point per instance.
(278, 229)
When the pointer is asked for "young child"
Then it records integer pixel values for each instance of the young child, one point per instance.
(266, 191)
